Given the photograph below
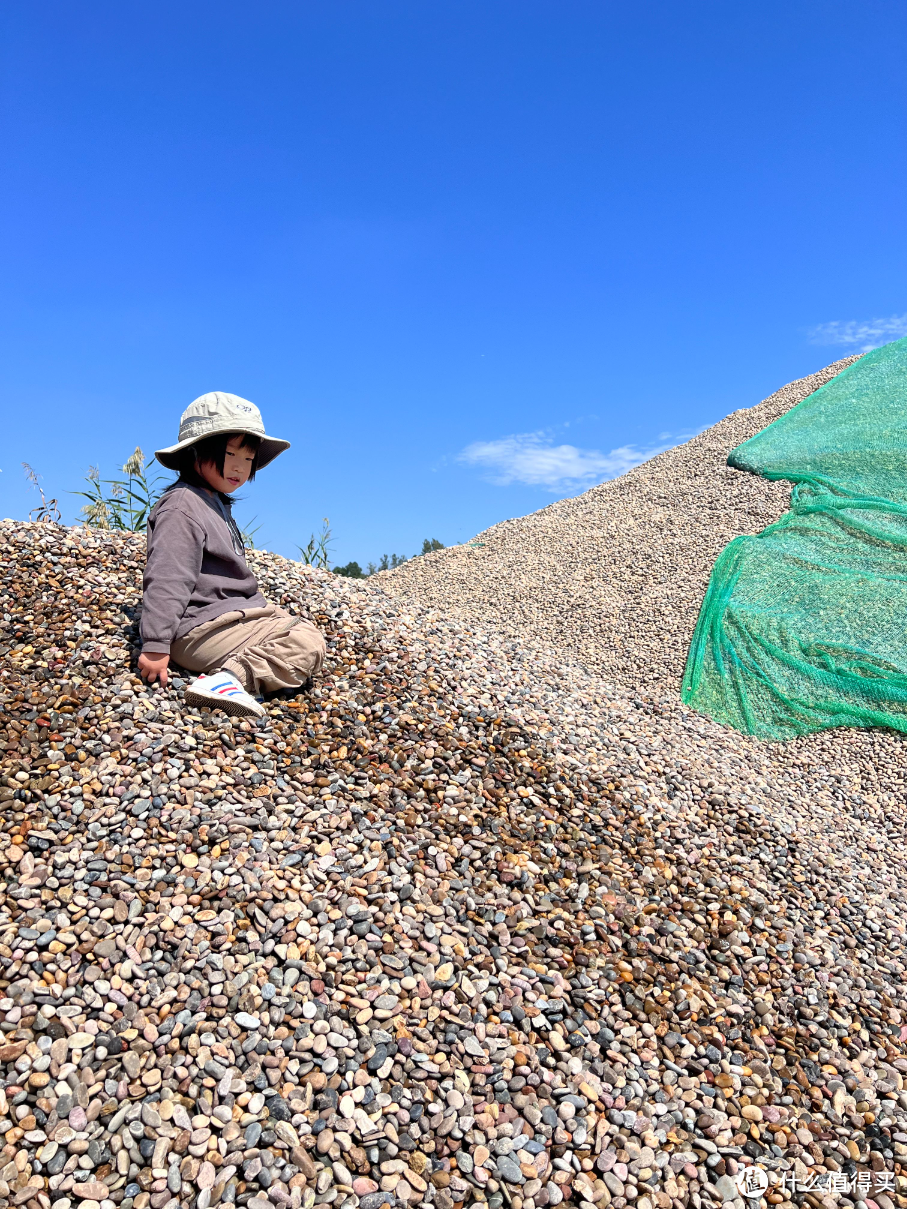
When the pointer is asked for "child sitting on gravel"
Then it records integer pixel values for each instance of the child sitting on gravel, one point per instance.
(201, 603)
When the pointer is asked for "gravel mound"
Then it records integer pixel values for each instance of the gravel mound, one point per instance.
(615, 577)
(463, 925)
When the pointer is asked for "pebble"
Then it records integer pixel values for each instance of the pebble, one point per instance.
(468, 922)
(246, 1021)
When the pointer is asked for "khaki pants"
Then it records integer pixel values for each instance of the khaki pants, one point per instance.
(265, 648)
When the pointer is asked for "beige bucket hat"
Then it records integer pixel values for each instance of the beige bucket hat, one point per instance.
(219, 412)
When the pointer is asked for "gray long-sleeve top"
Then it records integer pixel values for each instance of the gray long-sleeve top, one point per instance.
(195, 570)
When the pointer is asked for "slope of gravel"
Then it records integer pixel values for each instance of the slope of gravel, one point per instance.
(615, 577)
(465, 925)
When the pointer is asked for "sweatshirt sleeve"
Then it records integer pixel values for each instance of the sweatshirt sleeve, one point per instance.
(176, 546)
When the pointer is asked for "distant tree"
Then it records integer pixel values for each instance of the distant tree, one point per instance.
(431, 544)
(352, 570)
(387, 563)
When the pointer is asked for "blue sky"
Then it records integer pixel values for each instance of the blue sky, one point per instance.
(467, 257)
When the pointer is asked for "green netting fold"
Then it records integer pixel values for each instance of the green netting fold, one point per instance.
(804, 626)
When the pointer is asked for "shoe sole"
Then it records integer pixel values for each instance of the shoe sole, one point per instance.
(213, 700)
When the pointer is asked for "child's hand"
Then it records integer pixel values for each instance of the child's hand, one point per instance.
(154, 667)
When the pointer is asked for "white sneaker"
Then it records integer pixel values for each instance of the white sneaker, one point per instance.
(223, 691)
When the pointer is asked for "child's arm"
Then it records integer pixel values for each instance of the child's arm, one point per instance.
(154, 667)
(176, 545)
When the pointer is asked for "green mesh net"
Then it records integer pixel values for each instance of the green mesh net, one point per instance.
(804, 626)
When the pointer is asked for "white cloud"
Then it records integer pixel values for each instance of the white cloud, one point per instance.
(860, 335)
(531, 458)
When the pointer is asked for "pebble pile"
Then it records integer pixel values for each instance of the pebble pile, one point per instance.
(462, 925)
(615, 577)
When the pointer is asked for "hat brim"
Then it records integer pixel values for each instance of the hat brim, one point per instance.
(268, 450)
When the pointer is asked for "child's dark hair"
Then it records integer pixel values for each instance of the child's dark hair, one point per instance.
(213, 449)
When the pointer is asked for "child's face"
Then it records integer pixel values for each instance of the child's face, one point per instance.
(238, 461)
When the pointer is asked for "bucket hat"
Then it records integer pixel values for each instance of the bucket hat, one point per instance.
(219, 412)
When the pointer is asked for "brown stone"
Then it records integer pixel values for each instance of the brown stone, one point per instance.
(301, 1158)
(94, 1190)
(325, 1141)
